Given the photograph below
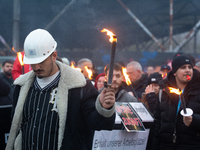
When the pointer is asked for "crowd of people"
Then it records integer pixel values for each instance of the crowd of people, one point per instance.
(58, 107)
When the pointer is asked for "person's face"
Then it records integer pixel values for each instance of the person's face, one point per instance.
(100, 82)
(90, 67)
(7, 69)
(155, 87)
(116, 80)
(132, 73)
(150, 70)
(164, 72)
(182, 72)
(46, 68)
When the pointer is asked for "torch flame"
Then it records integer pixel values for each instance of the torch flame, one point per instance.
(14, 49)
(19, 56)
(164, 75)
(128, 81)
(109, 33)
(89, 72)
(176, 91)
(72, 65)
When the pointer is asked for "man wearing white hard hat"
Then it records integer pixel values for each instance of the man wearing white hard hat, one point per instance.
(55, 107)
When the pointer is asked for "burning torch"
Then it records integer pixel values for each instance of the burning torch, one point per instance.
(185, 111)
(20, 58)
(128, 82)
(89, 72)
(113, 40)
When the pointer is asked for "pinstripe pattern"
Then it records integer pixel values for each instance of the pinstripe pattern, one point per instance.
(40, 121)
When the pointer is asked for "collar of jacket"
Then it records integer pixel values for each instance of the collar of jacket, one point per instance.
(70, 78)
(141, 82)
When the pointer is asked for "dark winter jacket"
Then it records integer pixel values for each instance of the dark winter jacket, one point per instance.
(151, 99)
(79, 110)
(139, 86)
(122, 95)
(8, 99)
(188, 138)
(4, 88)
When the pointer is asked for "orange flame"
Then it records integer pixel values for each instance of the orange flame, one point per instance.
(89, 72)
(19, 56)
(73, 66)
(176, 91)
(109, 33)
(128, 81)
(14, 49)
(164, 75)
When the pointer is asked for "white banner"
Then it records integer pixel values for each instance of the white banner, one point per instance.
(120, 140)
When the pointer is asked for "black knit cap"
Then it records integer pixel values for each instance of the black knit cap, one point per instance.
(154, 78)
(179, 61)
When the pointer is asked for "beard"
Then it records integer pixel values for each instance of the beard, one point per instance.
(8, 73)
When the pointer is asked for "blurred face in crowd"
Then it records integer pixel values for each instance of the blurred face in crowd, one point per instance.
(150, 70)
(46, 68)
(7, 69)
(164, 72)
(89, 66)
(100, 82)
(155, 87)
(133, 74)
(117, 79)
(181, 74)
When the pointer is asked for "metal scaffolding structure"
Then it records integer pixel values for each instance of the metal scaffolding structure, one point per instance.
(144, 26)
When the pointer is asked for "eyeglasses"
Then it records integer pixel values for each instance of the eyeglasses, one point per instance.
(129, 73)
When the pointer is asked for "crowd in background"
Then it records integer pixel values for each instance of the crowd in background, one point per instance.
(144, 85)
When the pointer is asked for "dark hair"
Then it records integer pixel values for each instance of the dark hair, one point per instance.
(7, 61)
(116, 66)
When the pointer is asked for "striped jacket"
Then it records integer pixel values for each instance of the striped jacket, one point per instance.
(70, 80)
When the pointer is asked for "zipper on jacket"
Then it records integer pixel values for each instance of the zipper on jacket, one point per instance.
(174, 136)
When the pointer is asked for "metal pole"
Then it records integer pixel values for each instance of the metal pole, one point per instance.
(141, 25)
(187, 37)
(58, 16)
(171, 26)
(5, 43)
(16, 20)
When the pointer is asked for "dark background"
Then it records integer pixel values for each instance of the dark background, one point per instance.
(78, 35)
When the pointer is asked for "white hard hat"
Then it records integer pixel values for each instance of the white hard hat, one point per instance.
(38, 45)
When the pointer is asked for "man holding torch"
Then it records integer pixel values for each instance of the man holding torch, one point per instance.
(54, 106)
(118, 84)
(174, 131)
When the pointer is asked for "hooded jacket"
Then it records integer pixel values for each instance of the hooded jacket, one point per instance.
(167, 121)
(79, 111)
